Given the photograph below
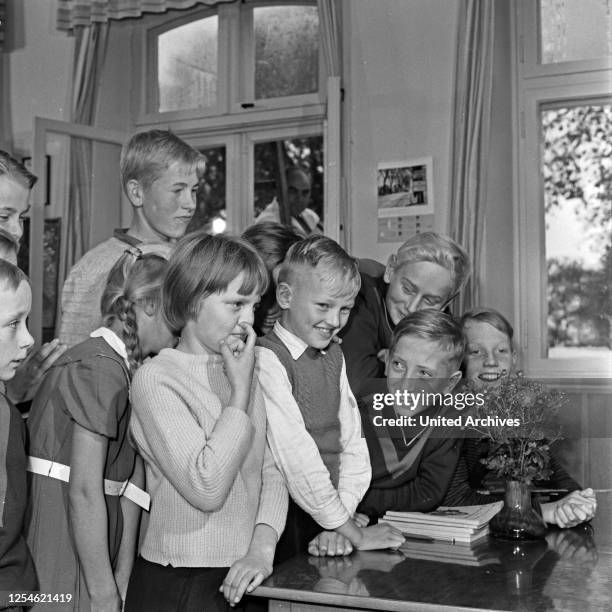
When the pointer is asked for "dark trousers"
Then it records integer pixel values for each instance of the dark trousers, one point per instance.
(158, 588)
(300, 530)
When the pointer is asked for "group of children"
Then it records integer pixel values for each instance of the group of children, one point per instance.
(242, 451)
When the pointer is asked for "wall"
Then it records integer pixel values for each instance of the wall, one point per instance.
(399, 66)
(40, 63)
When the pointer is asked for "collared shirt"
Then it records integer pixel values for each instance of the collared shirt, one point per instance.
(114, 341)
(295, 451)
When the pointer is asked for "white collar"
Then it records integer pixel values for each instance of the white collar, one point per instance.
(113, 340)
(296, 346)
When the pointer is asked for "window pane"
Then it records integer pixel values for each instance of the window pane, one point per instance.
(286, 51)
(575, 30)
(301, 162)
(187, 66)
(211, 212)
(577, 173)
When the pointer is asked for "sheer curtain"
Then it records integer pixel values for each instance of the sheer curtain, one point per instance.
(470, 140)
(90, 50)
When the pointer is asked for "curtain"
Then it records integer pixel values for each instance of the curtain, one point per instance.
(90, 50)
(74, 13)
(330, 35)
(470, 139)
(5, 98)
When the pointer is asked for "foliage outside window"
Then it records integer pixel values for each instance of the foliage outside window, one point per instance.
(577, 173)
(564, 146)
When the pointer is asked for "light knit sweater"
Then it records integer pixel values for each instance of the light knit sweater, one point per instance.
(210, 473)
(85, 284)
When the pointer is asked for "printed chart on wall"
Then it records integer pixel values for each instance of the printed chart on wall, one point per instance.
(405, 199)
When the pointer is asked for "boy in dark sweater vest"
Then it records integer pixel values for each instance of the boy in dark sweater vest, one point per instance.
(414, 459)
(314, 428)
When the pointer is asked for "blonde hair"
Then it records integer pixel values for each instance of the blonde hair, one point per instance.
(147, 155)
(322, 251)
(439, 249)
(136, 278)
(435, 326)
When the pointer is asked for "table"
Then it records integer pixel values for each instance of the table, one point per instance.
(569, 570)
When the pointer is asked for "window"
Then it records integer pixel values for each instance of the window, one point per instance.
(245, 83)
(564, 95)
(187, 66)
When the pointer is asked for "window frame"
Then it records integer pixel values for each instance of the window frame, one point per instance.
(244, 84)
(570, 83)
(530, 14)
(237, 127)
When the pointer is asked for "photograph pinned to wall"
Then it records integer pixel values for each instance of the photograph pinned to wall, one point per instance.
(405, 188)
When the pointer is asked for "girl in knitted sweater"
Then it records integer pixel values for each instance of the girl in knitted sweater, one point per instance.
(218, 502)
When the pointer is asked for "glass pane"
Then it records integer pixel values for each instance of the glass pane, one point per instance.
(289, 182)
(577, 173)
(211, 212)
(187, 66)
(573, 30)
(286, 51)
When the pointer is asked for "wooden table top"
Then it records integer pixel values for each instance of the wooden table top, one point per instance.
(569, 570)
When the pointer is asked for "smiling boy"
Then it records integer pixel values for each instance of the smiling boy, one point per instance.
(427, 271)
(160, 175)
(314, 428)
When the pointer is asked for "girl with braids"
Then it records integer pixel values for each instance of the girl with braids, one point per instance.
(86, 485)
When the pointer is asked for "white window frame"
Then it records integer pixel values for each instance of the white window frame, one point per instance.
(243, 88)
(535, 86)
(236, 127)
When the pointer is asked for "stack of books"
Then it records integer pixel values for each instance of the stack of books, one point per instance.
(478, 554)
(460, 524)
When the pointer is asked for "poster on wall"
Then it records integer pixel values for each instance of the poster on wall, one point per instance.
(405, 188)
(405, 199)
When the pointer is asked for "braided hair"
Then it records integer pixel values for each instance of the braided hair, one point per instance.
(136, 278)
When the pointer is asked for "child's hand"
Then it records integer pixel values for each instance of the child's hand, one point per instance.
(244, 576)
(239, 361)
(380, 536)
(571, 510)
(330, 543)
(361, 520)
(30, 373)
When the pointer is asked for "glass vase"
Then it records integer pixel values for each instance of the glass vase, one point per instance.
(518, 519)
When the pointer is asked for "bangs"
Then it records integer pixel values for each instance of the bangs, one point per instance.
(202, 265)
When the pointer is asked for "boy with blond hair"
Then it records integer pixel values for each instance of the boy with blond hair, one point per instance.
(160, 176)
(427, 271)
(314, 428)
(413, 463)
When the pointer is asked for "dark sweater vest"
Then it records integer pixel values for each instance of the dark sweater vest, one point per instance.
(315, 384)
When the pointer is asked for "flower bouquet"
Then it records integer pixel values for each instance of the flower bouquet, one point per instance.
(518, 417)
